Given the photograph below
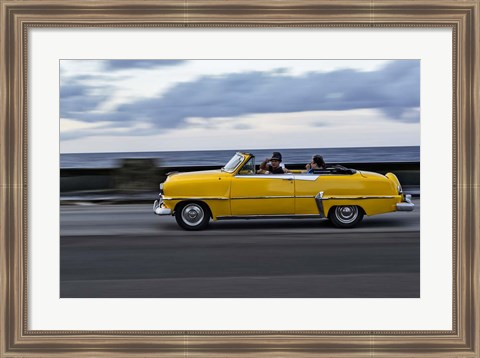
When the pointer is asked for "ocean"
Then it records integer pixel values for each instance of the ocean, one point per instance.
(221, 157)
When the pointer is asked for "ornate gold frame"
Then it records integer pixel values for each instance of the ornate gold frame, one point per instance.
(17, 16)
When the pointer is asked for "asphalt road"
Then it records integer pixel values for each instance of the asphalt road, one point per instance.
(126, 251)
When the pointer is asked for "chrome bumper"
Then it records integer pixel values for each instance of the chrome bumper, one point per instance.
(159, 209)
(406, 205)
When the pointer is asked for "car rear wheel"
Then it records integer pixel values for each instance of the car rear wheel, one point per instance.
(192, 215)
(345, 216)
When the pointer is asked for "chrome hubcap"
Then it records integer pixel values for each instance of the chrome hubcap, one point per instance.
(192, 214)
(346, 214)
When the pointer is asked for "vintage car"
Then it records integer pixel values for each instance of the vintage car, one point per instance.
(236, 191)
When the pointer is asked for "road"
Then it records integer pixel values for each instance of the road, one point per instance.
(126, 251)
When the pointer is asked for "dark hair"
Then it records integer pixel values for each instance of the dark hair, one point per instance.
(276, 155)
(318, 159)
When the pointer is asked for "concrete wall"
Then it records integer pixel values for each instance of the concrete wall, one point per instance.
(143, 175)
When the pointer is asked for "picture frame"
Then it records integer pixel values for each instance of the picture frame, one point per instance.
(17, 17)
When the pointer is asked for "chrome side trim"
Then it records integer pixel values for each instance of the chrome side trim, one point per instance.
(306, 177)
(357, 197)
(266, 176)
(195, 198)
(317, 197)
(294, 176)
(280, 216)
(319, 200)
(263, 197)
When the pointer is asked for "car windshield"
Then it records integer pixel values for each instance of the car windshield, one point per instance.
(233, 163)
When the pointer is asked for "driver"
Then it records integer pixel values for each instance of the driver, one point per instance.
(273, 165)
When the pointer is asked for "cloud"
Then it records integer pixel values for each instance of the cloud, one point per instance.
(242, 126)
(393, 89)
(115, 65)
(76, 99)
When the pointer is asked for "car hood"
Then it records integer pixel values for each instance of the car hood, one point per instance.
(198, 174)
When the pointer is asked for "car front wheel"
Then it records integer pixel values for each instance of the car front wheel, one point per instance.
(345, 216)
(192, 216)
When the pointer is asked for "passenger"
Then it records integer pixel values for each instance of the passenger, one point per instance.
(273, 165)
(316, 163)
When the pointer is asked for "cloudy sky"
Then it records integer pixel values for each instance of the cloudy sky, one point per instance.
(161, 105)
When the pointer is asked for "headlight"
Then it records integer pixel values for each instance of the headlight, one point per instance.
(399, 188)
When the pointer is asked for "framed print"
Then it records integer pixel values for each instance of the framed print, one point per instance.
(101, 101)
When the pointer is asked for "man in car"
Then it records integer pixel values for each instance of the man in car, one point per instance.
(273, 165)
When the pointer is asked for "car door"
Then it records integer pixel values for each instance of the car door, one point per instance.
(262, 194)
(307, 186)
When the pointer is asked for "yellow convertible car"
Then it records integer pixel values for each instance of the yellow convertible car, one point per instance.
(236, 191)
